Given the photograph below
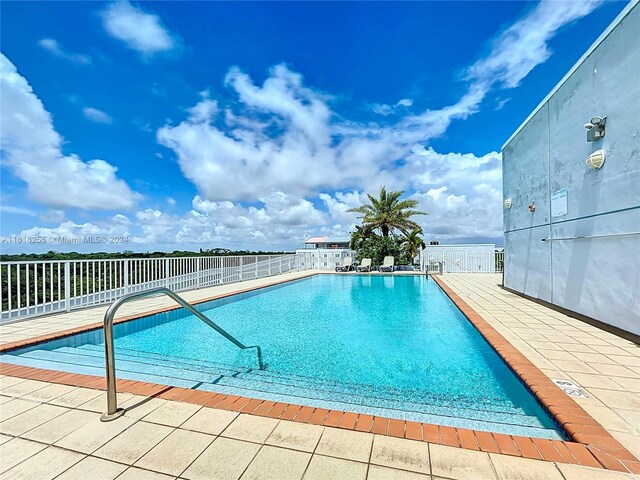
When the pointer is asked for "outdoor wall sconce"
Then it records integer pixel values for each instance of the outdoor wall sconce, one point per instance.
(532, 207)
(595, 128)
(596, 159)
(507, 203)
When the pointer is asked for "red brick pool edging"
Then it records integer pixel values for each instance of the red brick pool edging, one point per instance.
(592, 445)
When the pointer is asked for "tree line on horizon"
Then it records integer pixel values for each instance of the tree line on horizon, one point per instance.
(52, 255)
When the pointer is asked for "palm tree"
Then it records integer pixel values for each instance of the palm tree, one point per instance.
(359, 236)
(412, 243)
(388, 212)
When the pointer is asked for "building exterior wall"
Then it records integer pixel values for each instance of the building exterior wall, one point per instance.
(587, 260)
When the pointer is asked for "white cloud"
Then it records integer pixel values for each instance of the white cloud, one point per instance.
(140, 30)
(70, 229)
(17, 210)
(52, 46)
(524, 45)
(386, 110)
(31, 148)
(95, 115)
(171, 201)
(53, 216)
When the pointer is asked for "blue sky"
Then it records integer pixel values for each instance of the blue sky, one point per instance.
(254, 125)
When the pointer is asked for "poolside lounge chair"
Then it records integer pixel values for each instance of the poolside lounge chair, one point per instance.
(387, 264)
(346, 265)
(365, 265)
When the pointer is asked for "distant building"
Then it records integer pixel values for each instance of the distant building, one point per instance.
(324, 252)
(571, 182)
(326, 242)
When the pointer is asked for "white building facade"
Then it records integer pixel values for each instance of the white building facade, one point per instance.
(571, 182)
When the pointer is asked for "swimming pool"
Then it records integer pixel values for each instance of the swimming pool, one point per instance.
(393, 346)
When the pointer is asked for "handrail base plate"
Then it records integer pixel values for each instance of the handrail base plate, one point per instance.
(108, 417)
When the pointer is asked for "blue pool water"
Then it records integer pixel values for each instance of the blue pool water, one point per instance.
(393, 346)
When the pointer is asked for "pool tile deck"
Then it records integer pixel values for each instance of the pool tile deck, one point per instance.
(480, 456)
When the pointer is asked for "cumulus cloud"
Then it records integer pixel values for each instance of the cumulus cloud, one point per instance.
(31, 148)
(95, 115)
(139, 30)
(53, 47)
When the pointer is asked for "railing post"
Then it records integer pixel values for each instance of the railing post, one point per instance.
(126, 276)
(67, 285)
(256, 266)
(241, 263)
(198, 272)
(166, 272)
(269, 263)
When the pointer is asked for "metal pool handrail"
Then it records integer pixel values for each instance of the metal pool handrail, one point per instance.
(113, 411)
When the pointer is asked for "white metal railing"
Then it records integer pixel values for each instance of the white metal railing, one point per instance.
(42, 287)
(323, 258)
(461, 260)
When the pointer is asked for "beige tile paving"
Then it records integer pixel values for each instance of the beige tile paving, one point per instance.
(322, 468)
(516, 468)
(400, 453)
(133, 443)
(297, 436)
(210, 420)
(172, 414)
(44, 465)
(176, 452)
(377, 472)
(60, 426)
(460, 463)
(93, 434)
(273, 463)
(251, 428)
(224, 459)
(30, 419)
(133, 473)
(346, 444)
(93, 468)
(17, 450)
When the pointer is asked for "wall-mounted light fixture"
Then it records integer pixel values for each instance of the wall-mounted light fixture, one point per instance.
(507, 203)
(596, 159)
(595, 128)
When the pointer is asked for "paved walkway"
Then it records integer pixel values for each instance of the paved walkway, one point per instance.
(53, 431)
(604, 365)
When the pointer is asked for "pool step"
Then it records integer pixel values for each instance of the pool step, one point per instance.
(89, 359)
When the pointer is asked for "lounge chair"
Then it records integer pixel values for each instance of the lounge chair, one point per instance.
(346, 265)
(365, 265)
(387, 264)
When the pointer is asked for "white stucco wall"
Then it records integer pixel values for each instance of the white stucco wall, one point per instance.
(584, 264)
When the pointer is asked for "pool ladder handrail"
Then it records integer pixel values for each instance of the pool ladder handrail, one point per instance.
(113, 411)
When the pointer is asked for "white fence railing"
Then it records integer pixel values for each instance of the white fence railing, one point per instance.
(323, 258)
(36, 288)
(461, 261)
